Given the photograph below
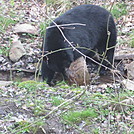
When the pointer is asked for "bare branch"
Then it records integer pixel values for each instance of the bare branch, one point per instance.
(72, 24)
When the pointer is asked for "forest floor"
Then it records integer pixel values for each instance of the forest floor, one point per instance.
(27, 106)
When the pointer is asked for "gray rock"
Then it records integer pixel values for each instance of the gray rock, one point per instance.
(25, 28)
(2, 59)
(128, 84)
(130, 70)
(5, 83)
(17, 51)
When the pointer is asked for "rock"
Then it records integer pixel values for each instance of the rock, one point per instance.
(130, 70)
(77, 73)
(5, 83)
(25, 28)
(124, 53)
(128, 84)
(17, 51)
(18, 64)
(2, 59)
(125, 30)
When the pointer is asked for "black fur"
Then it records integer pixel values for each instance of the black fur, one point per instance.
(93, 36)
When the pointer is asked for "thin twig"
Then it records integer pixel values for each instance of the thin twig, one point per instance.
(71, 24)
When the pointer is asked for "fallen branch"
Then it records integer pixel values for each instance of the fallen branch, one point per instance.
(124, 56)
(19, 69)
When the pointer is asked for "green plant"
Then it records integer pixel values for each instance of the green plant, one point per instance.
(62, 83)
(54, 2)
(119, 9)
(39, 110)
(64, 86)
(1, 91)
(78, 116)
(4, 50)
(5, 22)
(123, 95)
(56, 100)
(96, 131)
(23, 125)
(12, 2)
(31, 85)
(43, 26)
(131, 42)
(26, 127)
(77, 90)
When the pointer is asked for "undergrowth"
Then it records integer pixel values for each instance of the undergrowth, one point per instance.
(91, 108)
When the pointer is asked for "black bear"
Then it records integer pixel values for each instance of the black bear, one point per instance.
(84, 26)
